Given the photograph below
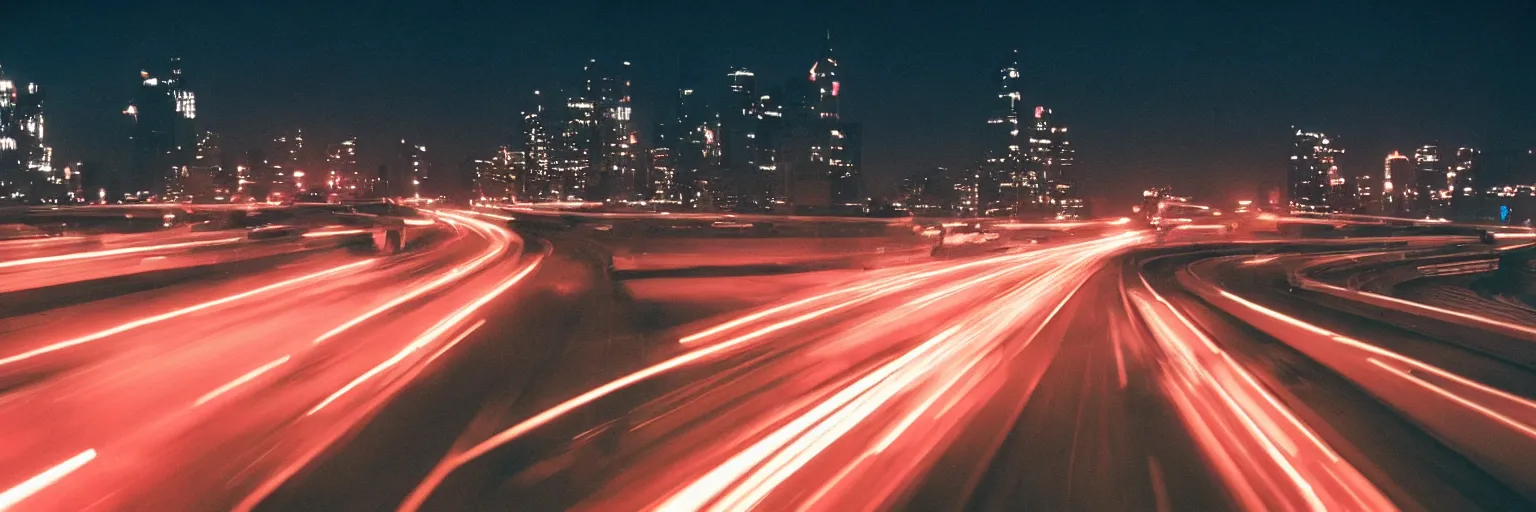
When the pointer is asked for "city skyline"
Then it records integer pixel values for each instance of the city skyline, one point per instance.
(919, 94)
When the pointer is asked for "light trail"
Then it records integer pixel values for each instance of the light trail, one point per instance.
(507, 218)
(115, 252)
(128, 326)
(1513, 236)
(1401, 359)
(1215, 393)
(500, 242)
(1409, 376)
(746, 479)
(1528, 331)
(343, 232)
(450, 463)
(447, 323)
(357, 414)
(39, 240)
(249, 376)
(888, 284)
(41, 481)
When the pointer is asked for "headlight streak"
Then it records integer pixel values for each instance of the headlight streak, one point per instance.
(437, 331)
(968, 343)
(116, 252)
(500, 242)
(41, 481)
(247, 377)
(1211, 389)
(885, 285)
(1415, 364)
(128, 326)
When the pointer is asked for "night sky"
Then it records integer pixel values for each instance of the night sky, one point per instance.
(1156, 93)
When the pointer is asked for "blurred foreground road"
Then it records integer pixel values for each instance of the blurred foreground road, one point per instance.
(193, 394)
(1103, 370)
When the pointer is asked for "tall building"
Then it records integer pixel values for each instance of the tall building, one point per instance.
(1313, 169)
(1397, 185)
(847, 175)
(1431, 187)
(26, 160)
(288, 171)
(496, 177)
(841, 140)
(613, 171)
(933, 193)
(343, 176)
(538, 180)
(164, 140)
(814, 158)
(695, 152)
(412, 176)
(661, 171)
(204, 179)
(1462, 183)
(1005, 184)
(1050, 180)
(746, 187)
(1367, 195)
(256, 176)
(574, 149)
(802, 137)
(1028, 169)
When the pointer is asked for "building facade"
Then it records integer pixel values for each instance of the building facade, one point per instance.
(1397, 184)
(164, 137)
(1313, 172)
(1431, 197)
(27, 173)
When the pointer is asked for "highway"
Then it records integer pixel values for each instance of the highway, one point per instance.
(193, 394)
(508, 364)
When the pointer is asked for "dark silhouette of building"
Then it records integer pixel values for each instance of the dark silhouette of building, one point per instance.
(1313, 171)
(1397, 185)
(27, 173)
(164, 140)
(412, 176)
(1462, 184)
(538, 179)
(1431, 197)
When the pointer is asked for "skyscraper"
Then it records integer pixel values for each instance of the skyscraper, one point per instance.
(164, 140)
(695, 152)
(845, 178)
(846, 167)
(574, 149)
(412, 176)
(1397, 185)
(816, 169)
(343, 176)
(746, 187)
(538, 180)
(287, 175)
(1313, 165)
(1049, 180)
(257, 178)
(495, 178)
(1430, 191)
(1003, 188)
(26, 160)
(204, 179)
(1462, 182)
(661, 171)
(613, 170)
(1367, 194)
